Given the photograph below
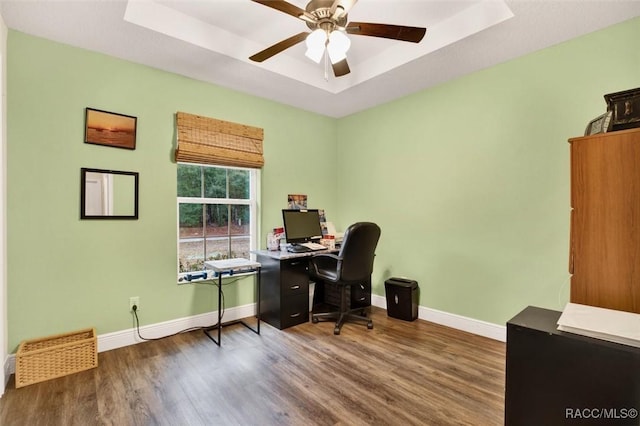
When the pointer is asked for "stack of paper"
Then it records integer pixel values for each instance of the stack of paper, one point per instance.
(600, 323)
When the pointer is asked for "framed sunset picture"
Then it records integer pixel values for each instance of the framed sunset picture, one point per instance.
(110, 129)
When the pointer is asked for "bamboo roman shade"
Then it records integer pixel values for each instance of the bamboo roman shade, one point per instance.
(209, 141)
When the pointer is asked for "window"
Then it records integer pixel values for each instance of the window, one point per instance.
(216, 214)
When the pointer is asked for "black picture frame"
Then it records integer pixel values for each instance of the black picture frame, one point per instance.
(106, 210)
(110, 129)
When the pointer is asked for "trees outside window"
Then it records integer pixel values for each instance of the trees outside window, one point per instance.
(216, 214)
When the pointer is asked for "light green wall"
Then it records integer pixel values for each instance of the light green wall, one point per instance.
(65, 273)
(470, 180)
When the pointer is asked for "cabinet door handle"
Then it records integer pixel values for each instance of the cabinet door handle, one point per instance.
(294, 287)
(294, 263)
(297, 314)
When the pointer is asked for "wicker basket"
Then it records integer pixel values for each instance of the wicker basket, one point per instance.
(46, 358)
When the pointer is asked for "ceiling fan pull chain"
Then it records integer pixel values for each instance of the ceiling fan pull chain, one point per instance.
(326, 66)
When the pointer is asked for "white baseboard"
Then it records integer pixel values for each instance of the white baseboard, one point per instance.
(9, 369)
(119, 339)
(481, 328)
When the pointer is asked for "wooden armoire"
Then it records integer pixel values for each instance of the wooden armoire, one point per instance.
(604, 257)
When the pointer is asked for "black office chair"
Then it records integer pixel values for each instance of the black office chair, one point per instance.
(352, 266)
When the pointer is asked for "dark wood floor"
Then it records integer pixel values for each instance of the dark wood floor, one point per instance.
(409, 373)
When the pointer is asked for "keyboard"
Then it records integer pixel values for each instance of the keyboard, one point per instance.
(305, 247)
(314, 246)
(298, 248)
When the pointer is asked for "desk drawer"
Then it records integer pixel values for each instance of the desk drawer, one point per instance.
(294, 277)
(284, 293)
(290, 289)
(294, 310)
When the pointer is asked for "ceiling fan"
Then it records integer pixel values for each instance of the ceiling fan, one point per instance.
(328, 21)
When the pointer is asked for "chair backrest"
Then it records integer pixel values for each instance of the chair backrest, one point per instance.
(358, 251)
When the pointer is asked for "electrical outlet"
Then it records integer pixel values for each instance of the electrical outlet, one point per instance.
(134, 301)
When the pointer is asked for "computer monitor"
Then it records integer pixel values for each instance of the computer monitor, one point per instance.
(301, 226)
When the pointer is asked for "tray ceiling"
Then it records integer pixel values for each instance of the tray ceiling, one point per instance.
(212, 40)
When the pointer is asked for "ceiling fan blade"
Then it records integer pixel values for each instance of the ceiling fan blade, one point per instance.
(341, 68)
(395, 32)
(282, 6)
(341, 7)
(279, 47)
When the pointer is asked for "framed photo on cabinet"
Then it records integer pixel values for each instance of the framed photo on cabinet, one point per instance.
(600, 124)
(625, 107)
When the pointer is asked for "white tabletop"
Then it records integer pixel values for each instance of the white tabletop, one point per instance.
(235, 264)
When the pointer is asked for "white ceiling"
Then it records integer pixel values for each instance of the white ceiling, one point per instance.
(211, 40)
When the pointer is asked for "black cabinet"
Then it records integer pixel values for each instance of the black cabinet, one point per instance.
(560, 378)
(326, 297)
(284, 299)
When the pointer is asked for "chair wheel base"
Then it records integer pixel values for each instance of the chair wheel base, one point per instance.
(370, 325)
(336, 330)
(314, 320)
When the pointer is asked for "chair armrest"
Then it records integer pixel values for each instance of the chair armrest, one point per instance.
(326, 255)
(324, 261)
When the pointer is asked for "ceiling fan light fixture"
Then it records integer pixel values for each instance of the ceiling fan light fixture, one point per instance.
(336, 55)
(314, 54)
(338, 46)
(315, 45)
